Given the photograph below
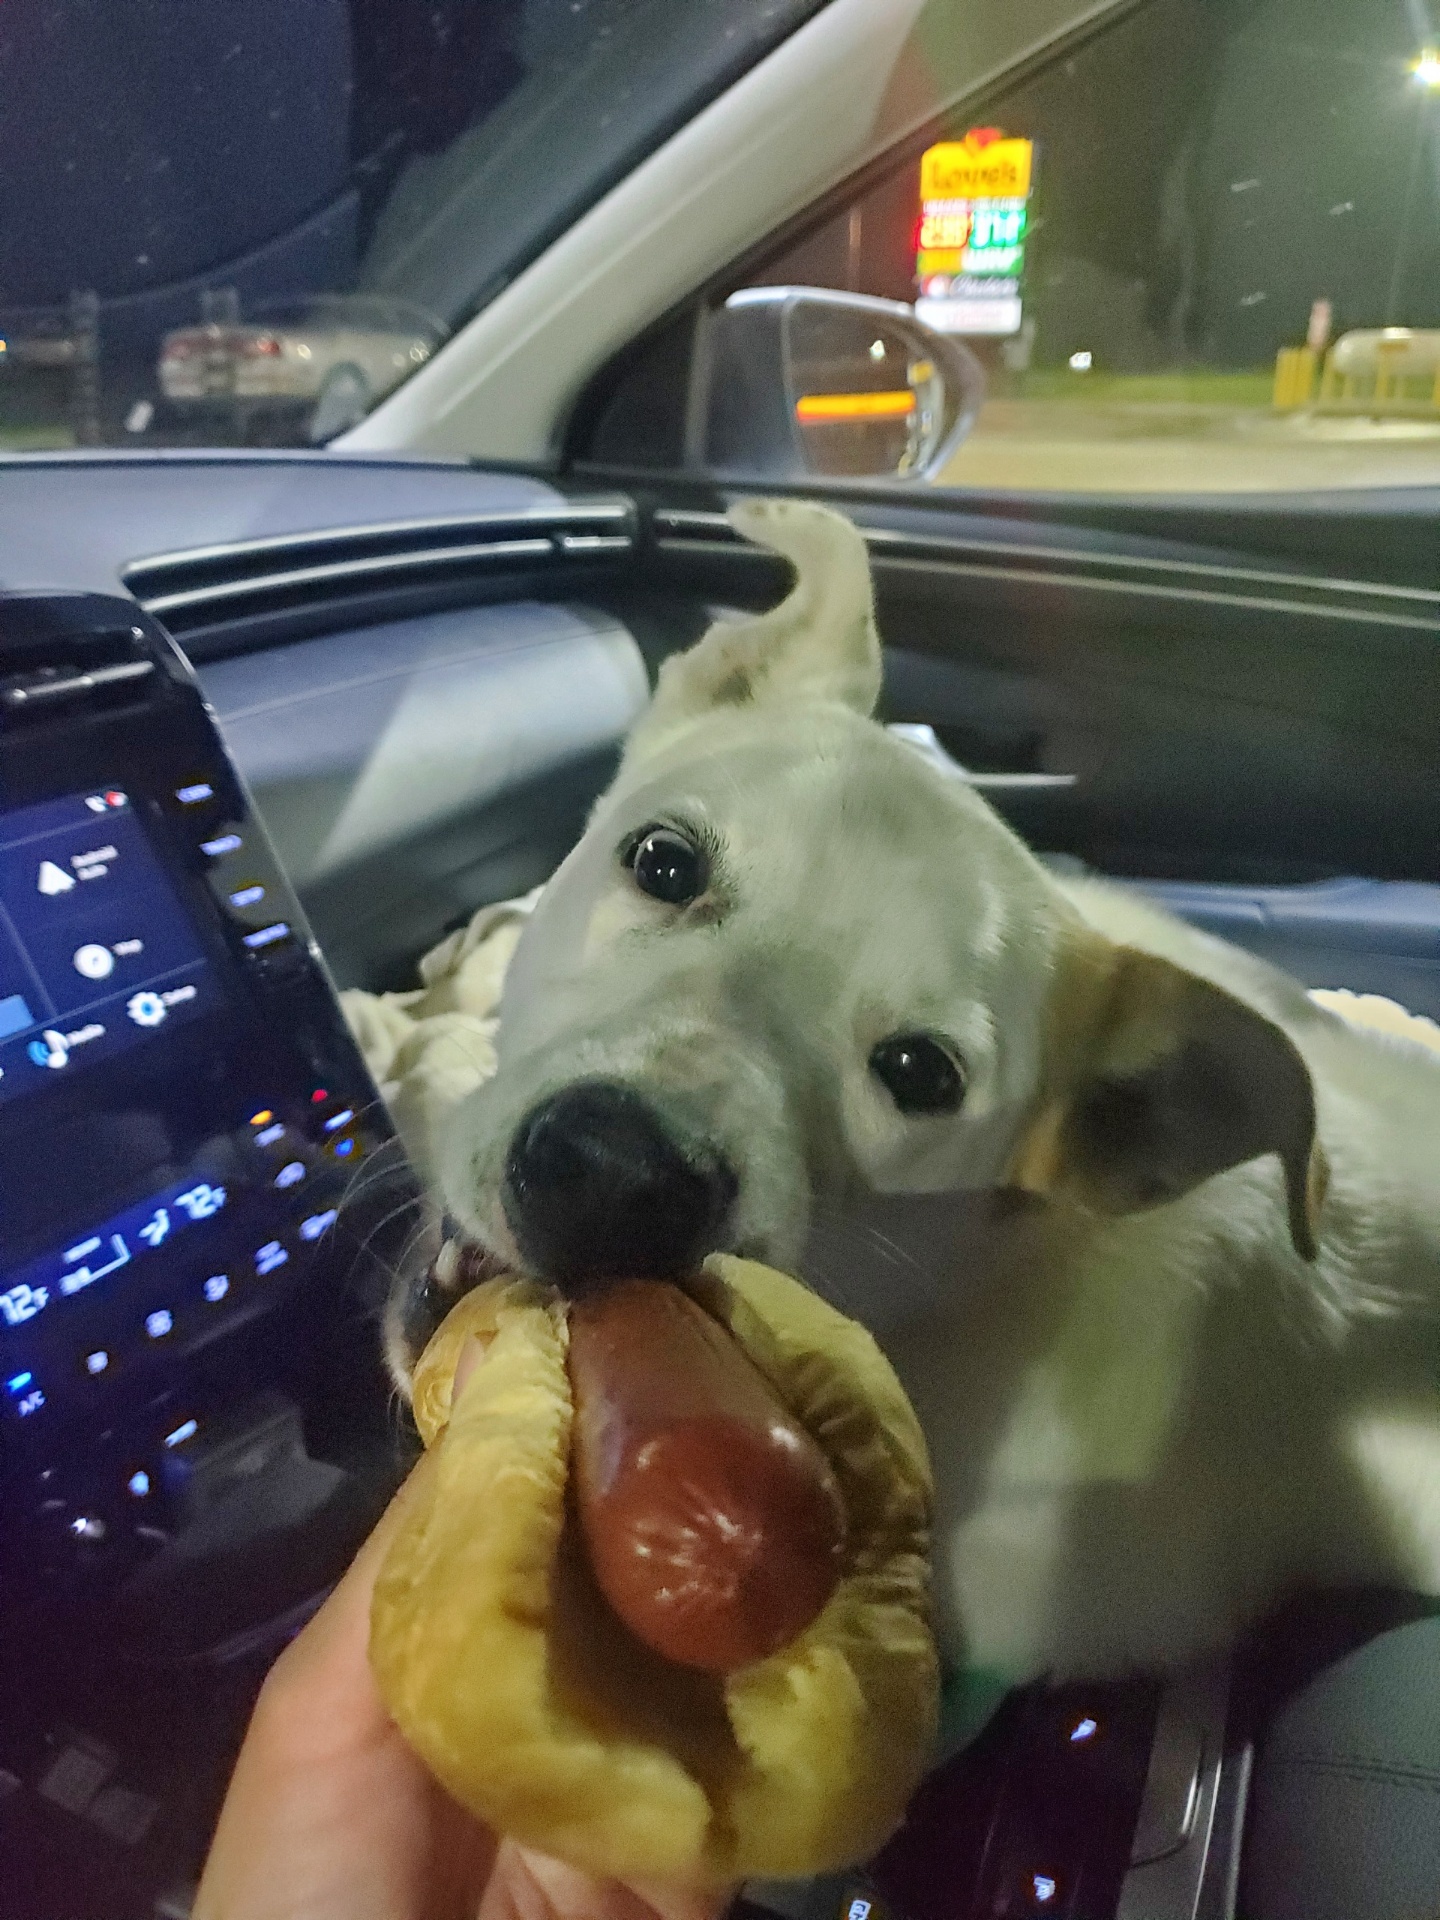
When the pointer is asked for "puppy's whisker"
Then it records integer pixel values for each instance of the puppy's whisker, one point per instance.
(382, 1163)
(896, 1254)
(387, 1220)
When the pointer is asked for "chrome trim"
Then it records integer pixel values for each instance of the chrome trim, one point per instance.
(248, 586)
(614, 512)
(583, 543)
(1021, 782)
(1178, 1809)
(675, 527)
(923, 739)
(1149, 563)
(1254, 602)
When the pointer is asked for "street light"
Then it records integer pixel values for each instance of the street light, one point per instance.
(1425, 71)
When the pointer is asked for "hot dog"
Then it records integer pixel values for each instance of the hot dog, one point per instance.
(715, 1527)
(525, 1672)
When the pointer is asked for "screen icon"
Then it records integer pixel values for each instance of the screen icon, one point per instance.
(97, 1361)
(22, 1302)
(157, 1228)
(26, 1396)
(267, 936)
(159, 1323)
(52, 879)
(116, 1254)
(15, 1014)
(50, 1050)
(94, 962)
(145, 1009)
(216, 1287)
(202, 1202)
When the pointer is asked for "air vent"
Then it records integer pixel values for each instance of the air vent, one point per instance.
(212, 586)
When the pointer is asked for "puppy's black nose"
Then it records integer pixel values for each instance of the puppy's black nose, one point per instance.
(595, 1187)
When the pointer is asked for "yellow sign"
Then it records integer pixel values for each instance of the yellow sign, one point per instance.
(970, 170)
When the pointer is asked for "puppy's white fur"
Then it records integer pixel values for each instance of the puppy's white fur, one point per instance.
(1148, 1421)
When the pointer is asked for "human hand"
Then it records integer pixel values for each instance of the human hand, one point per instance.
(330, 1816)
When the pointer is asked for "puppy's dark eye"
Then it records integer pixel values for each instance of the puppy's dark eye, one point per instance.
(667, 866)
(920, 1075)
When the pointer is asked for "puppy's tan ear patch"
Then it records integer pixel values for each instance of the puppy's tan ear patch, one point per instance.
(1156, 1080)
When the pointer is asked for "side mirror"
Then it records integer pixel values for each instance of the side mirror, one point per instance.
(795, 382)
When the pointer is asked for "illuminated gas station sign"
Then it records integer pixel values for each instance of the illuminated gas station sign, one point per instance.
(970, 245)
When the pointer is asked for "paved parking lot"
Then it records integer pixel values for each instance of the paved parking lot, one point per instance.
(1169, 448)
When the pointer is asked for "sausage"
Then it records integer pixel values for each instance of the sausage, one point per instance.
(715, 1527)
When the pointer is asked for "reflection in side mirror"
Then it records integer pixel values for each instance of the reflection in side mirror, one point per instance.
(797, 382)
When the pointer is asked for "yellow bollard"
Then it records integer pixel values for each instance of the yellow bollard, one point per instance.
(1294, 378)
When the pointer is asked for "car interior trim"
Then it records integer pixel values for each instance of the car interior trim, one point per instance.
(336, 570)
(690, 530)
(610, 513)
(244, 572)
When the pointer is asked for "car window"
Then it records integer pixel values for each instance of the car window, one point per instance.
(1199, 252)
(248, 220)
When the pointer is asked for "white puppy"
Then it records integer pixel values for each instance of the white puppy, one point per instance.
(1153, 1240)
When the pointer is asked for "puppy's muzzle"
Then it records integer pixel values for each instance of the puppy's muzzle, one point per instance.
(597, 1186)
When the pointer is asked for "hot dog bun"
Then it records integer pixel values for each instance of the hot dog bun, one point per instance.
(537, 1708)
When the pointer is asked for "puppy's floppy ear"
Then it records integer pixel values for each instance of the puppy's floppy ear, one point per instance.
(820, 643)
(1157, 1079)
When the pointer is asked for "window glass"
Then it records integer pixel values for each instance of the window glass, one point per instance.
(1200, 252)
(248, 220)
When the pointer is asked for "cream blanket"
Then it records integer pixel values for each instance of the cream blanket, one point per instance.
(427, 1049)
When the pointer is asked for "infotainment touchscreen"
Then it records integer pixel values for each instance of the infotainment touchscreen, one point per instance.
(96, 952)
(174, 1139)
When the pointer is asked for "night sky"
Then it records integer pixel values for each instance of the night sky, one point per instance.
(1208, 168)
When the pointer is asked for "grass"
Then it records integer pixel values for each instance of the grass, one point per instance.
(34, 439)
(1195, 388)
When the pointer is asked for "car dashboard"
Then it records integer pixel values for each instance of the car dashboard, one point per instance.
(269, 725)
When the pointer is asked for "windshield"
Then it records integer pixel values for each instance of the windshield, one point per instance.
(247, 221)
(1198, 253)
